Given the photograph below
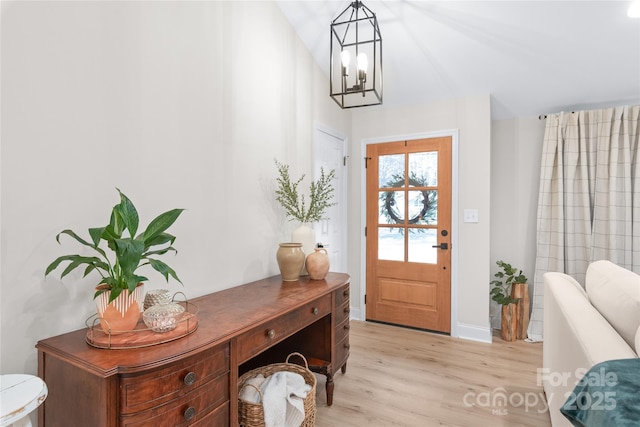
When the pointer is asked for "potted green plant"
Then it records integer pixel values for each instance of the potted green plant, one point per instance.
(305, 211)
(118, 253)
(502, 292)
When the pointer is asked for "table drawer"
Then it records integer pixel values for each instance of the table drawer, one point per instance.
(267, 334)
(216, 418)
(191, 409)
(342, 330)
(342, 313)
(141, 392)
(342, 295)
(342, 352)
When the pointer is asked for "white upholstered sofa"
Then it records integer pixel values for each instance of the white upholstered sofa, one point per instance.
(583, 327)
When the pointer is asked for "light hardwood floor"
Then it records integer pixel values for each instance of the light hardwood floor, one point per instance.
(402, 377)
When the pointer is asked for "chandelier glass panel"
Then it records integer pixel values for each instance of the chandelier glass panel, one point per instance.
(356, 58)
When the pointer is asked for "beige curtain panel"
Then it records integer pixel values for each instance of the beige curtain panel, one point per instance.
(589, 199)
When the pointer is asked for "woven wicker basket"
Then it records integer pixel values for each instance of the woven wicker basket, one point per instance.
(252, 414)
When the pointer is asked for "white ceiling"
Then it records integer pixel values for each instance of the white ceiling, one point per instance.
(533, 57)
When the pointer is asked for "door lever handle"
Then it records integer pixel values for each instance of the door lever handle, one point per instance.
(441, 246)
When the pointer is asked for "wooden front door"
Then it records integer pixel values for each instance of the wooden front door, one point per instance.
(408, 233)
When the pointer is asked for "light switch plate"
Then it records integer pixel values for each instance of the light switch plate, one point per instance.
(471, 215)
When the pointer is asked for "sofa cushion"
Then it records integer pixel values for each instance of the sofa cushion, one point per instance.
(615, 293)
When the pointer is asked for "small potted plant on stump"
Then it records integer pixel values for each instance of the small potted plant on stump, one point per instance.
(119, 290)
(507, 290)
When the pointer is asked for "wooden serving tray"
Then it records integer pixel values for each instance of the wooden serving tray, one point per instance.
(141, 336)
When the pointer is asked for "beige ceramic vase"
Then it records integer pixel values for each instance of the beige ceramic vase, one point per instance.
(290, 261)
(317, 264)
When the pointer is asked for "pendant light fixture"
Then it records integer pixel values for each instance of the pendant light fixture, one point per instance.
(356, 58)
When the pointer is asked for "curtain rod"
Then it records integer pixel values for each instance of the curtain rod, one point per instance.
(544, 116)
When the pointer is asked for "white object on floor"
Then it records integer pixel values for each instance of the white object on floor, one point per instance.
(283, 403)
(20, 394)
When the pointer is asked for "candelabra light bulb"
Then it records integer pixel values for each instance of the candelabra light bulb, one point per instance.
(363, 62)
(345, 57)
(634, 9)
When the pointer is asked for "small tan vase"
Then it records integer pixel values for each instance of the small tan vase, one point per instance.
(123, 313)
(290, 261)
(317, 264)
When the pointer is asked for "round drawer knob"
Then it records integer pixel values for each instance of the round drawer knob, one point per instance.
(347, 346)
(189, 413)
(315, 311)
(347, 327)
(346, 310)
(271, 333)
(190, 378)
(346, 293)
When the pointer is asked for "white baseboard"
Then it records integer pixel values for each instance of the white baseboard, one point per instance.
(354, 314)
(473, 333)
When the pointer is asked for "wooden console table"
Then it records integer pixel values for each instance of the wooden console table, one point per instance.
(193, 381)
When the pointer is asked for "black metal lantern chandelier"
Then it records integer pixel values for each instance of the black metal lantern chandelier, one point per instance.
(356, 58)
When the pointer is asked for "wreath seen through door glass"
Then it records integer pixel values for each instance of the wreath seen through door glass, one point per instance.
(426, 199)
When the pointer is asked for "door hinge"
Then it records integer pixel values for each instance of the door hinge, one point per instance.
(366, 162)
(344, 161)
(365, 298)
(365, 232)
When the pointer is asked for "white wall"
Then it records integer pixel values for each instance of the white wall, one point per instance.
(178, 104)
(471, 117)
(516, 147)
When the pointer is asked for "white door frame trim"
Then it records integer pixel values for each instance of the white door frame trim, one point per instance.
(320, 127)
(453, 133)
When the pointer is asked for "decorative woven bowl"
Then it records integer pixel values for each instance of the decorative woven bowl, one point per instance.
(157, 296)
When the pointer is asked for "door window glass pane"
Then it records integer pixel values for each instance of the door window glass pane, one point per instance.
(391, 171)
(390, 244)
(423, 207)
(423, 169)
(421, 241)
(391, 207)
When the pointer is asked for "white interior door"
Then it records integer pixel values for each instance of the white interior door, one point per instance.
(329, 153)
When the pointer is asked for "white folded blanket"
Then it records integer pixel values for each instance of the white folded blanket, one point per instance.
(250, 394)
(283, 403)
